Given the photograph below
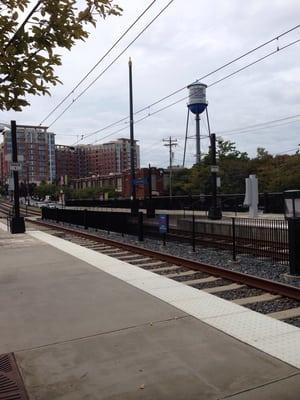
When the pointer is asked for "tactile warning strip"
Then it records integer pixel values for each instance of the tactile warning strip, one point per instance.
(11, 383)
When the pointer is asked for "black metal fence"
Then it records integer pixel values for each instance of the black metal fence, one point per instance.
(268, 202)
(110, 222)
(262, 238)
(258, 237)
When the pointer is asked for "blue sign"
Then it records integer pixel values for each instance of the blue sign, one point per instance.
(140, 181)
(163, 225)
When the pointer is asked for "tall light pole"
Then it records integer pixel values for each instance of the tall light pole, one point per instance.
(132, 143)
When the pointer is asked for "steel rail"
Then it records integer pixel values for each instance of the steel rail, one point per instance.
(240, 277)
(6, 206)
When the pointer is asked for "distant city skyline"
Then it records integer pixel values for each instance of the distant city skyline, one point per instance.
(184, 44)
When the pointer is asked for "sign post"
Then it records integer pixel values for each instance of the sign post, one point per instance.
(163, 227)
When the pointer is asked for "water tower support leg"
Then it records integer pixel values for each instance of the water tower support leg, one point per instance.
(198, 147)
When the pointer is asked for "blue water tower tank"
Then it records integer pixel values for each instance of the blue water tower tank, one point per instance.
(197, 98)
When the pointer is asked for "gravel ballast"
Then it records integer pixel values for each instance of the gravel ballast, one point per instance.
(240, 293)
(266, 307)
(245, 263)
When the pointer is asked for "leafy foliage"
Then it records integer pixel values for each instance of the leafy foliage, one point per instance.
(53, 190)
(275, 173)
(28, 61)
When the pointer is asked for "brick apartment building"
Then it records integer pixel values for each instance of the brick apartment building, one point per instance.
(42, 160)
(36, 151)
(88, 160)
(67, 163)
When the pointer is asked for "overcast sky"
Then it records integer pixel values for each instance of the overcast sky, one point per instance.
(189, 39)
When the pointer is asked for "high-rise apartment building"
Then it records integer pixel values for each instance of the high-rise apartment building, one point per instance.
(86, 160)
(66, 159)
(112, 157)
(36, 151)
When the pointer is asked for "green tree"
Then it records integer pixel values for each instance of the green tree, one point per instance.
(262, 154)
(46, 189)
(227, 150)
(28, 52)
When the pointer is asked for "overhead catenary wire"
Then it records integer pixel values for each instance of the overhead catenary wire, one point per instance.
(21, 27)
(185, 97)
(258, 124)
(259, 129)
(275, 38)
(98, 62)
(111, 63)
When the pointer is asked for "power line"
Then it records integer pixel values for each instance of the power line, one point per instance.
(98, 62)
(13, 38)
(203, 77)
(259, 129)
(288, 151)
(255, 62)
(111, 64)
(185, 97)
(258, 125)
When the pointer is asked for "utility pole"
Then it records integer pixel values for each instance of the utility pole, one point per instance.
(132, 144)
(17, 223)
(170, 143)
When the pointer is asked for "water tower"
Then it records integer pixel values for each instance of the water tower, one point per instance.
(197, 104)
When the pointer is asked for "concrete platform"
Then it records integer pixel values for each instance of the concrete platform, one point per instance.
(202, 214)
(81, 333)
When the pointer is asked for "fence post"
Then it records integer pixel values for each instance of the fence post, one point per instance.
(233, 240)
(140, 227)
(85, 224)
(193, 232)
(294, 245)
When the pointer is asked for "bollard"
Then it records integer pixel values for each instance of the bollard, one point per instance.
(294, 245)
(140, 227)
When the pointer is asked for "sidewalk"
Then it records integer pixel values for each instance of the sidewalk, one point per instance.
(79, 333)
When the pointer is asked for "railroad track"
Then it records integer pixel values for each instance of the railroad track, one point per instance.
(271, 243)
(275, 299)
(6, 207)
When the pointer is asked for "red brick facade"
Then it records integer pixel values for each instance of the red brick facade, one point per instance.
(121, 183)
(100, 160)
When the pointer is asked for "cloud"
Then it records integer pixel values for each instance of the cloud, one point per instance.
(187, 41)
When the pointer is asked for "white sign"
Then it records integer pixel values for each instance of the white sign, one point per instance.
(16, 166)
(214, 168)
